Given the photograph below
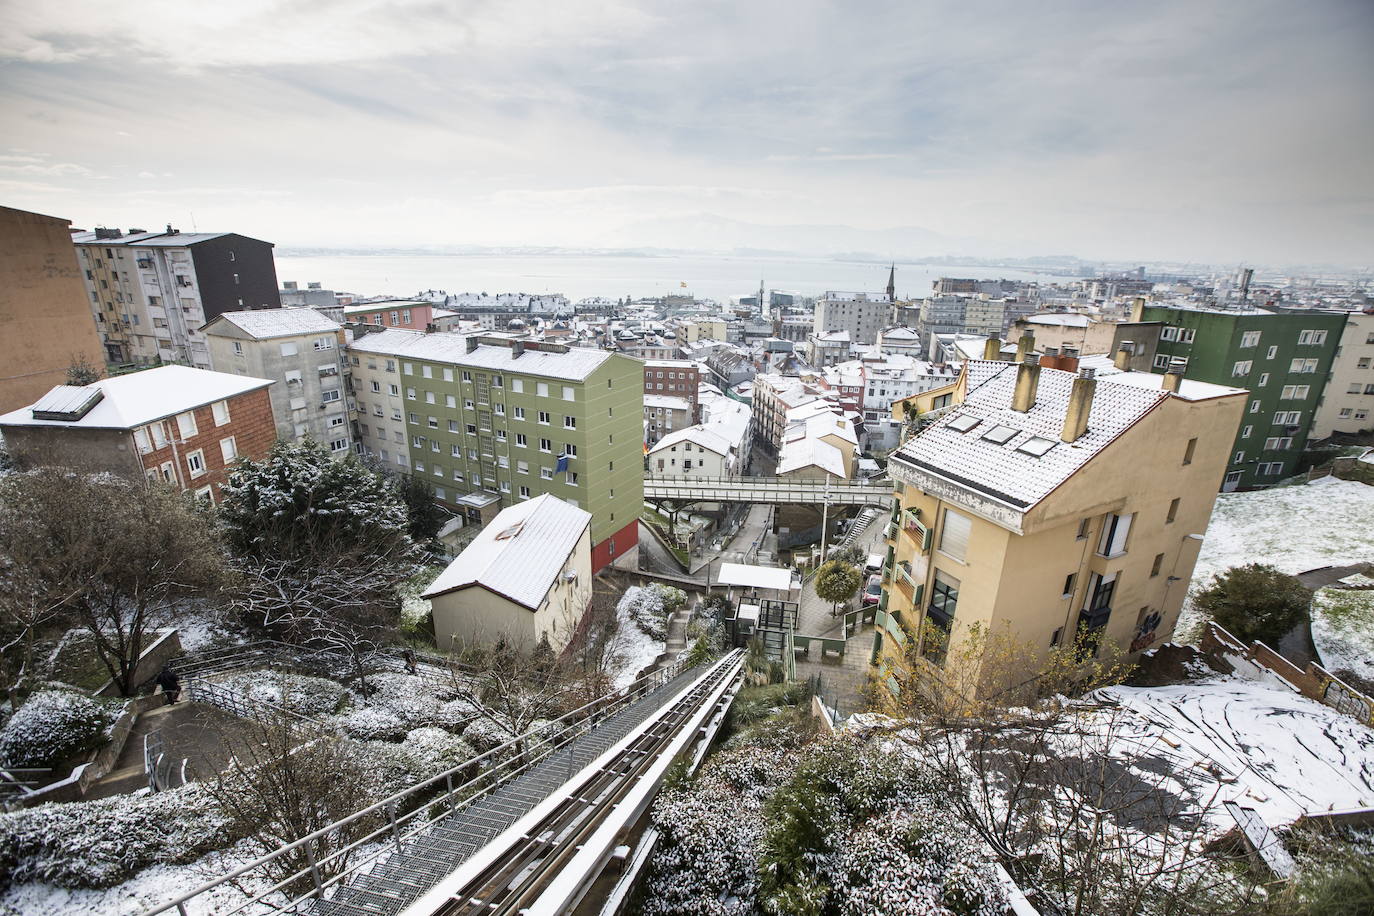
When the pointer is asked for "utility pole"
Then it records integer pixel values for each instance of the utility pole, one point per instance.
(825, 519)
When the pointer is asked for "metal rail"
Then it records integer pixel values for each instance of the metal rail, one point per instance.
(769, 490)
(358, 843)
(545, 862)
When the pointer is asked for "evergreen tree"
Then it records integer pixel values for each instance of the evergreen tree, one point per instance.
(1255, 601)
(837, 581)
(424, 514)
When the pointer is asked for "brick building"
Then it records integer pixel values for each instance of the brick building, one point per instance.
(173, 424)
(676, 378)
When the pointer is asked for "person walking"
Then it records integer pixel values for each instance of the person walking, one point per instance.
(170, 683)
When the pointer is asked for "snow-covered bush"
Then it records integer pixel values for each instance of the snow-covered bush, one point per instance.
(371, 723)
(314, 697)
(52, 727)
(101, 843)
(649, 606)
(439, 748)
(425, 752)
(485, 734)
(402, 702)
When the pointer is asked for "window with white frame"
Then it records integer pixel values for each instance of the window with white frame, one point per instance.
(1311, 337)
(524, 492)
(220, 411)
(141, 440)
(427, 371)
(324, 343)
(543, 418)
(541, 389)
(519, 413)
(195, 463)
(567, 392)
(1287, 417)
(522, 467)
(1272, 352)
(1295, 392)
(1161, 361)
(546, 473)
(289, 349)
(1250, 339)
(569, 422)
(1241, 368)
(1112, 543)
(186, 424)
(1263, 380)
(517, 385)
(1168, 333)
(546, 445)
(954, 535)
(333, 394)
(1270, 468)
(1246, 432)
(228, 450)
(521, 440)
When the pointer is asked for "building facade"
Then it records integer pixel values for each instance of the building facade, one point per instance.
(415, 314)
(1052, 508)
(172, 424)
(858, 314)
(1348, 404)
(152, 292)
(303, 353)
(45, 321)
(677, 378)
(664, 415)
(504, 420)
(1283, 356)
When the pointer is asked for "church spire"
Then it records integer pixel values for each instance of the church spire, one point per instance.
(892, 283)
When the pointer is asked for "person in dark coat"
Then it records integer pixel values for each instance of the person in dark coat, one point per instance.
(411, 666)
(170, 683)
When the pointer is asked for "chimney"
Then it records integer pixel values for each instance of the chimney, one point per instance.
(517, 348)
(1027, 379)
(1122, 359)
(992, 349)
(1137, 308)
(1173, 378)
(1023, 347)
(1080, 406)
(289, 284)
(470, 343)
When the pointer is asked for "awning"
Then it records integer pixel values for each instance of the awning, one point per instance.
(770, 577)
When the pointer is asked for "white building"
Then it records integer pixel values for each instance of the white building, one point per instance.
(303, 352)
(900, 341)
(527, 576)
(854, 313)
(1347, 404)
(694, 452)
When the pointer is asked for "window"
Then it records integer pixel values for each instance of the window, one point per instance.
(1363, 363)
(524, 492)
(410, 394)
(1114, 534)
(288, 349)
(395, 317)
(546, 473)
(954, 535)
(1169, 333)
(570, 478)
(521, 440)
(570, 451)
(467, 377)
(1303, 365)
(1287, 417)
(228, 450)
(1068, 585)
(238, 348)
(1353, 389)
(429, 397)
(1346, 412)
(517, 385)
(433, 422)
(541, 389)
(1161, 361)
(522, 467)
(448, 375)
(417, 441)
(141, 440)
(944, 601)
(450, 402)
(1250, 339)
(324, 343)
(1159, 562)
(220, 411)
(1263, 380)
(426, 371)
(567, 393)
(545, 445)
(1241, 368)
(1255, 406)
(1270, 468)
(468, 405)
(1245, 433)
(195, 461)
(543, 418)
(500, 410)
(1083, 526)
(1295, 392)
(1278, 443)
(569, 422)
(331, 395)
(505, 486)
(394, 391)
(1189, 450)
(1186, 335)
(1311, 337)
(405, 316)
(519, 413)
(376, 386)
(1240, 456)
(1173, 511)
(186, 424)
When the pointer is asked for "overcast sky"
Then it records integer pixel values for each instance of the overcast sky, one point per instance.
(1226, 131)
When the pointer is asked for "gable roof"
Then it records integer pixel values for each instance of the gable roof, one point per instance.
(698, 434)
(129, 401)
(264, 324)
(520, 554)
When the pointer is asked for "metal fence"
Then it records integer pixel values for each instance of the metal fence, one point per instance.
(386, 829)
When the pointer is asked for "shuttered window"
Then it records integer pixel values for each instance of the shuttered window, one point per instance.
(954, 535)
(1113, 541)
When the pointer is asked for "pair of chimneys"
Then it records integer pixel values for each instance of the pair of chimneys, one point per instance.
(992, 348)
(1080, 398)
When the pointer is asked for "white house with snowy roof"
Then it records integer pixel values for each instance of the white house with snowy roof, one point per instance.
(527, 576)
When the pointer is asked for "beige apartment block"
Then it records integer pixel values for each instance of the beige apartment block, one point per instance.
(1347, 403)
(1040, 504)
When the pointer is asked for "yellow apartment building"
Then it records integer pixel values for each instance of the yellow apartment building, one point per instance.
(1042, 503)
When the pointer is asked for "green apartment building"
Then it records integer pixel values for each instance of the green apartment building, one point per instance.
(491, 421)
(1283, 356)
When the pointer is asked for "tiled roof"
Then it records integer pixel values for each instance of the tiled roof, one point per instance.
(521, 553)
(131, 400)
(284, 322)
(1001, 470)
(444, 347)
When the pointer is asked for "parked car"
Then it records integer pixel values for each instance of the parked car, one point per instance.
(874, 563)
(873, 591)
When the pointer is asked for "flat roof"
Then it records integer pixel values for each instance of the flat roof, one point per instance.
(770, 577)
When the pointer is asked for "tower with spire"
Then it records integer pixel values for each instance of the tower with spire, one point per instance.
(892, 283)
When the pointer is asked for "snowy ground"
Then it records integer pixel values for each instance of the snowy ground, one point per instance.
(1343, 629)
(1322, 523)
(635, 648)
(1267, 747)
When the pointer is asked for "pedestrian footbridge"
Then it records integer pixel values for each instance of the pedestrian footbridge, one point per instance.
(768, 490)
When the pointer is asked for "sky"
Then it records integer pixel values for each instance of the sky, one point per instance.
(1224, 131)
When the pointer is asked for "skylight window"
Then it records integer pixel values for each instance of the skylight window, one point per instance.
(1036, 446)
(999, 434)
(963, 424)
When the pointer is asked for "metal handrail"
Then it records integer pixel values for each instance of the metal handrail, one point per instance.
(569, 721)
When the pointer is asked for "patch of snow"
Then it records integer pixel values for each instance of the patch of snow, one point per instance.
(1343, 629)
(1270, 749)
(1322, 523)
(636, 649)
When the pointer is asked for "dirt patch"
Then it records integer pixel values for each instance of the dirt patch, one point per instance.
(1174, 664)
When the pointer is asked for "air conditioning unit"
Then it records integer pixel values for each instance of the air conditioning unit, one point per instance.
(570, 576)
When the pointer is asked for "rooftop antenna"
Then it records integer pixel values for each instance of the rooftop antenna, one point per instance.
(193, 220)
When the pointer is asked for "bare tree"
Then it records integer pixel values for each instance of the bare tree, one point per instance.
(597, 650)
(514, 688)
(120, 557)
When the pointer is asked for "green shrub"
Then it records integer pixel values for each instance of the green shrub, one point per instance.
(1255, 601)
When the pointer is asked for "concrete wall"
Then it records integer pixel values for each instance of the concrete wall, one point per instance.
(295, 405)
(46, 322)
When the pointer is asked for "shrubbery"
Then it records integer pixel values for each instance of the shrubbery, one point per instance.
(1255, 601)
(650, 606)
(313, 697)
(53, 727)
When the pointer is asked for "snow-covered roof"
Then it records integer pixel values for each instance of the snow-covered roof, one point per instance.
(698, 435)
(836, 337)
(1002, 471)
(816, 406)
(805, 453)
(826, 424)
(520, 554)
(900, 333)
(1060, 319)
(1188, 389)
(666, 402)
(750, 576)
(572, 363)
(382, 305)
(132, 400)
(283, 322)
